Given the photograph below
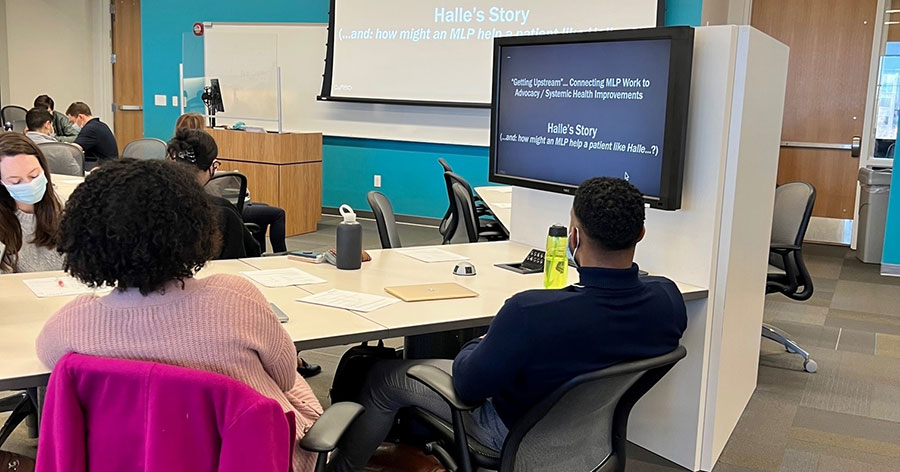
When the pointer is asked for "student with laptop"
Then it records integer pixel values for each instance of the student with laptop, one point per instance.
(66, 131)
(146, 228)
(29, 208)
(541, 339)
(95, 138)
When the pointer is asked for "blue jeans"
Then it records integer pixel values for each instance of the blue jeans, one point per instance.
(387, 390)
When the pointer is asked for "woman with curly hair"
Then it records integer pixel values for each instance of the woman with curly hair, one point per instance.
(29, 208)
(198, 150)
(146, 228)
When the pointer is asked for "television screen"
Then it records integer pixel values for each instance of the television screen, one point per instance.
(570, 107)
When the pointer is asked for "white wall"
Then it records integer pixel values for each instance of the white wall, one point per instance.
(726, 12)
(50, 49)
(4, 63)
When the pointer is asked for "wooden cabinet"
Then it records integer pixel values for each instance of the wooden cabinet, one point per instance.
(283, 170)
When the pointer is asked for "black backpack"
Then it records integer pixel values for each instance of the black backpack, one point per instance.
(354, 367)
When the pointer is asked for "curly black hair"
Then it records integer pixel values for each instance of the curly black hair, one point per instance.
(611, 212)
(138, 224)
(194, 147)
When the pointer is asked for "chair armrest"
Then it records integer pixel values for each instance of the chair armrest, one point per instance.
(783, 248)
(328, 429)
(442, 384)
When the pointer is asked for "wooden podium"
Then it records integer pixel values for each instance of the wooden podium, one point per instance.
(283, 170)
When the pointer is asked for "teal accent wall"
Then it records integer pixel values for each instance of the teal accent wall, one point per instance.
(411, 176)
(891, 251)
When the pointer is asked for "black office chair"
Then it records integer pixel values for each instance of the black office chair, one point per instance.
(787, 273)
(448, 223)
(384, 220)
(231, 186)
(467, 219)
(63, 158)
(12, 114)
(581, 426)
(21, 405)
(146, 149)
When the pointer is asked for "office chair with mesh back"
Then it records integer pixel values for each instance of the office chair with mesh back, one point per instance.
(384, 220)
(466, 216)
(787, 273)
(581, 426)
(63, 158)
(146, 149)
(231, 186)
(448, 224)
(12, 114)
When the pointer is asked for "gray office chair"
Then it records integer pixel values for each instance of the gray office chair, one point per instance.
(12, 114)
(384, 220)
(146, 149)
(19, 126)
(581, 426)
(63, 158)
(787, 273)
(21, 407)
(465, 214)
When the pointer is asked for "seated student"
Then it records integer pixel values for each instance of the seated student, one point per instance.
(269, 218)
(198, 150)
(146, 228)
(95, 138)
(29, 208)
(66, 131)
(39, 127)
(541, 339)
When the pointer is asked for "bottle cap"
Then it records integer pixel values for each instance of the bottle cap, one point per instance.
(347, 213)
(558, 231)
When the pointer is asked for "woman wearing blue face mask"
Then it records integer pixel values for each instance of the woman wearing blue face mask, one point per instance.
(29, 208)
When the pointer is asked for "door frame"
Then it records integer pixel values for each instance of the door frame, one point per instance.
(101, 39)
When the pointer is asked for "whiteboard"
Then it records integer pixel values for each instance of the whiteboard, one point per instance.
(235, 50)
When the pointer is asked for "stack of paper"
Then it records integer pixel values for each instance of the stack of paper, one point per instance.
(57, 287)
(282, 277)
(430, 254)
(353, 301)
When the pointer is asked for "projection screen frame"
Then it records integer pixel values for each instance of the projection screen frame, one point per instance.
(326, 95)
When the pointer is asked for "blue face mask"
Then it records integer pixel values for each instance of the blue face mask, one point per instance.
(29, 193)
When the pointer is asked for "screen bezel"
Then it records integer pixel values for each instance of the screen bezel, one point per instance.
(326, 95)
(678, 96)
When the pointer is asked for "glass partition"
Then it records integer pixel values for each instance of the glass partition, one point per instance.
(193, 73)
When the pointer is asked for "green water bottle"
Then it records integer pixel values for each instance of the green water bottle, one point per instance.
(556, 264)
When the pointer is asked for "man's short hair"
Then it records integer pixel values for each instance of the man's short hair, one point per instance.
(611, 212)
(44, 101)
(36, 118)
(78, 108)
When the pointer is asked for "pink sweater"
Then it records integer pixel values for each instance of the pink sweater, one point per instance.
(221, 324)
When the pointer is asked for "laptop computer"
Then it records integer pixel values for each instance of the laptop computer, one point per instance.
(424, 292)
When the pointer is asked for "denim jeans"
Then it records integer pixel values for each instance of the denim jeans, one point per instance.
(387, 390)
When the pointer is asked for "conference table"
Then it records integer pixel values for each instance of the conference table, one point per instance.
(312, 326)
(499, 199)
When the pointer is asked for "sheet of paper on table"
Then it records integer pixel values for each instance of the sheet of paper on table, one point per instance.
(502, 205)
(427, 254)
(63, 286)
(502, 189)
(347, 300)
(282, 277)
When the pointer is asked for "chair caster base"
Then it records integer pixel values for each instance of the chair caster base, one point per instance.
(810, 366)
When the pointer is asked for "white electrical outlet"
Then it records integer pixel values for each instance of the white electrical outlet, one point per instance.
(159, 100)
(174, 100)
(377, 181)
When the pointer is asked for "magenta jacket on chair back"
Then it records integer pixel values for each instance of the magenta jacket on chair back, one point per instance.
(105, 415)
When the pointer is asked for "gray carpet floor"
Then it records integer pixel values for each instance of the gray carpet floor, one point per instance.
(844, 418)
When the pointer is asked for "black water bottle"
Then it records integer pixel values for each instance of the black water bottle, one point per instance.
(349, 240)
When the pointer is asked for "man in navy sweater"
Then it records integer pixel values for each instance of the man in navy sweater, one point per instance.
(540, 339)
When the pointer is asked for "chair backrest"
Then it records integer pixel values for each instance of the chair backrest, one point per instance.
(146, 149)
(12, 113)
(465, 212)
(793, 207)
(19, 126)
(445, 165)
(113, 414)
(384, 219)
(583, 424)
(231, 186)
(63, 158)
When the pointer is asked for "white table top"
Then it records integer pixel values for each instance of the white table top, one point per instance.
(312, 326)
(499, 199)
